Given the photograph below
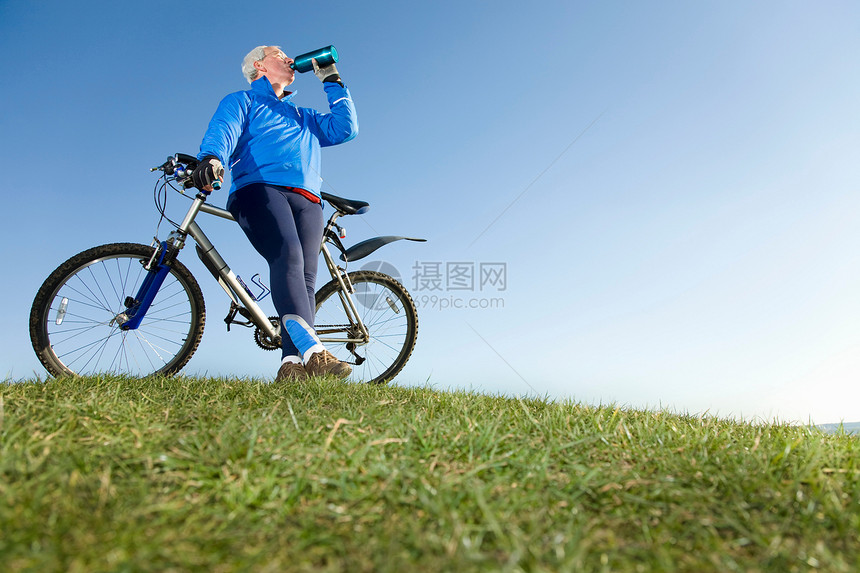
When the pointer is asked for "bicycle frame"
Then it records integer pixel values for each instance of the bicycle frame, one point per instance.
(231, 284)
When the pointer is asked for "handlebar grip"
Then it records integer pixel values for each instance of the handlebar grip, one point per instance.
(216, 185)
(184, 158)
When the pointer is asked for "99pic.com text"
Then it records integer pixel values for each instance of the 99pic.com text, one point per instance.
(451, 302)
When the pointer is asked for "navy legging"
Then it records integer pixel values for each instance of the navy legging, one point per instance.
(286, 228)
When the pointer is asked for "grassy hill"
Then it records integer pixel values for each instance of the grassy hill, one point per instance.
(159, 474)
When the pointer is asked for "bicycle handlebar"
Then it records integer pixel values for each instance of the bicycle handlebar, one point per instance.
(181, 165)
(183, 158)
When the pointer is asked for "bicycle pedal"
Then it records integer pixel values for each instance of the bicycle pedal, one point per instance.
(231, 316)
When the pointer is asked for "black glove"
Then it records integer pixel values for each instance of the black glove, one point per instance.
(207, 172)
(326, 74)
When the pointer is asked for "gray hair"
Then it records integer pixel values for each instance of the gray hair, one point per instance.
(250, 72)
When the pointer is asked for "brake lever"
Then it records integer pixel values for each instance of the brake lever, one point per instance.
(168, 166)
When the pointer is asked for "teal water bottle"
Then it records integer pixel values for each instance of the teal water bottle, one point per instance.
(324, 57)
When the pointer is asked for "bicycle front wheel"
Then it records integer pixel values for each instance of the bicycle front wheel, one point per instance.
(388, 313)
(73, 321)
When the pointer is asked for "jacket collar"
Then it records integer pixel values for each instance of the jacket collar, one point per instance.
(264, 86)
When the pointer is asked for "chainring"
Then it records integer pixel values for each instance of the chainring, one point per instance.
(265, 341)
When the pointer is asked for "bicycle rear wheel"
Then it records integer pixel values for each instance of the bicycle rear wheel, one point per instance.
(73, 324)
(389, 314)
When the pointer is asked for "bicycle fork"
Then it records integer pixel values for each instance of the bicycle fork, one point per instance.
(137, 307)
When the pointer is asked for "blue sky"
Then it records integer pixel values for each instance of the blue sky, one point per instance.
(671, 186)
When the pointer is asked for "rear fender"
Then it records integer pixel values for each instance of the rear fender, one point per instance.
(364, 248)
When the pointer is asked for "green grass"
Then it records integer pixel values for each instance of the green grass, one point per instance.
(180, 474)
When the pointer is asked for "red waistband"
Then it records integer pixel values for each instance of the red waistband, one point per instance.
(304, 193)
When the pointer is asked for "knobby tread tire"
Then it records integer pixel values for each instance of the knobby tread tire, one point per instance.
(39, 335)
(357, 277)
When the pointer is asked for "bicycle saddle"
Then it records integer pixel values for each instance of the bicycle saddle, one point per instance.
(346, 206)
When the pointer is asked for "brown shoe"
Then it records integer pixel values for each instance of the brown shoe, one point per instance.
(324, 363)
(291, 372)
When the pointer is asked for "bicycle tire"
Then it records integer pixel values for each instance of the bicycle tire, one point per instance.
(72, 326)
(388, 312)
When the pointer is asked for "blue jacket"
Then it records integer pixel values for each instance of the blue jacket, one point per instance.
(266, 140)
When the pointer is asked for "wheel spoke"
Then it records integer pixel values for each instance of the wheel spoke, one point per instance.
(392, 329)
(92, 287)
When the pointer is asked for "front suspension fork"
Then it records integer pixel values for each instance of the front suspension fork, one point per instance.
(137, 307)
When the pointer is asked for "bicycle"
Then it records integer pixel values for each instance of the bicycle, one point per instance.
(136, 309)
